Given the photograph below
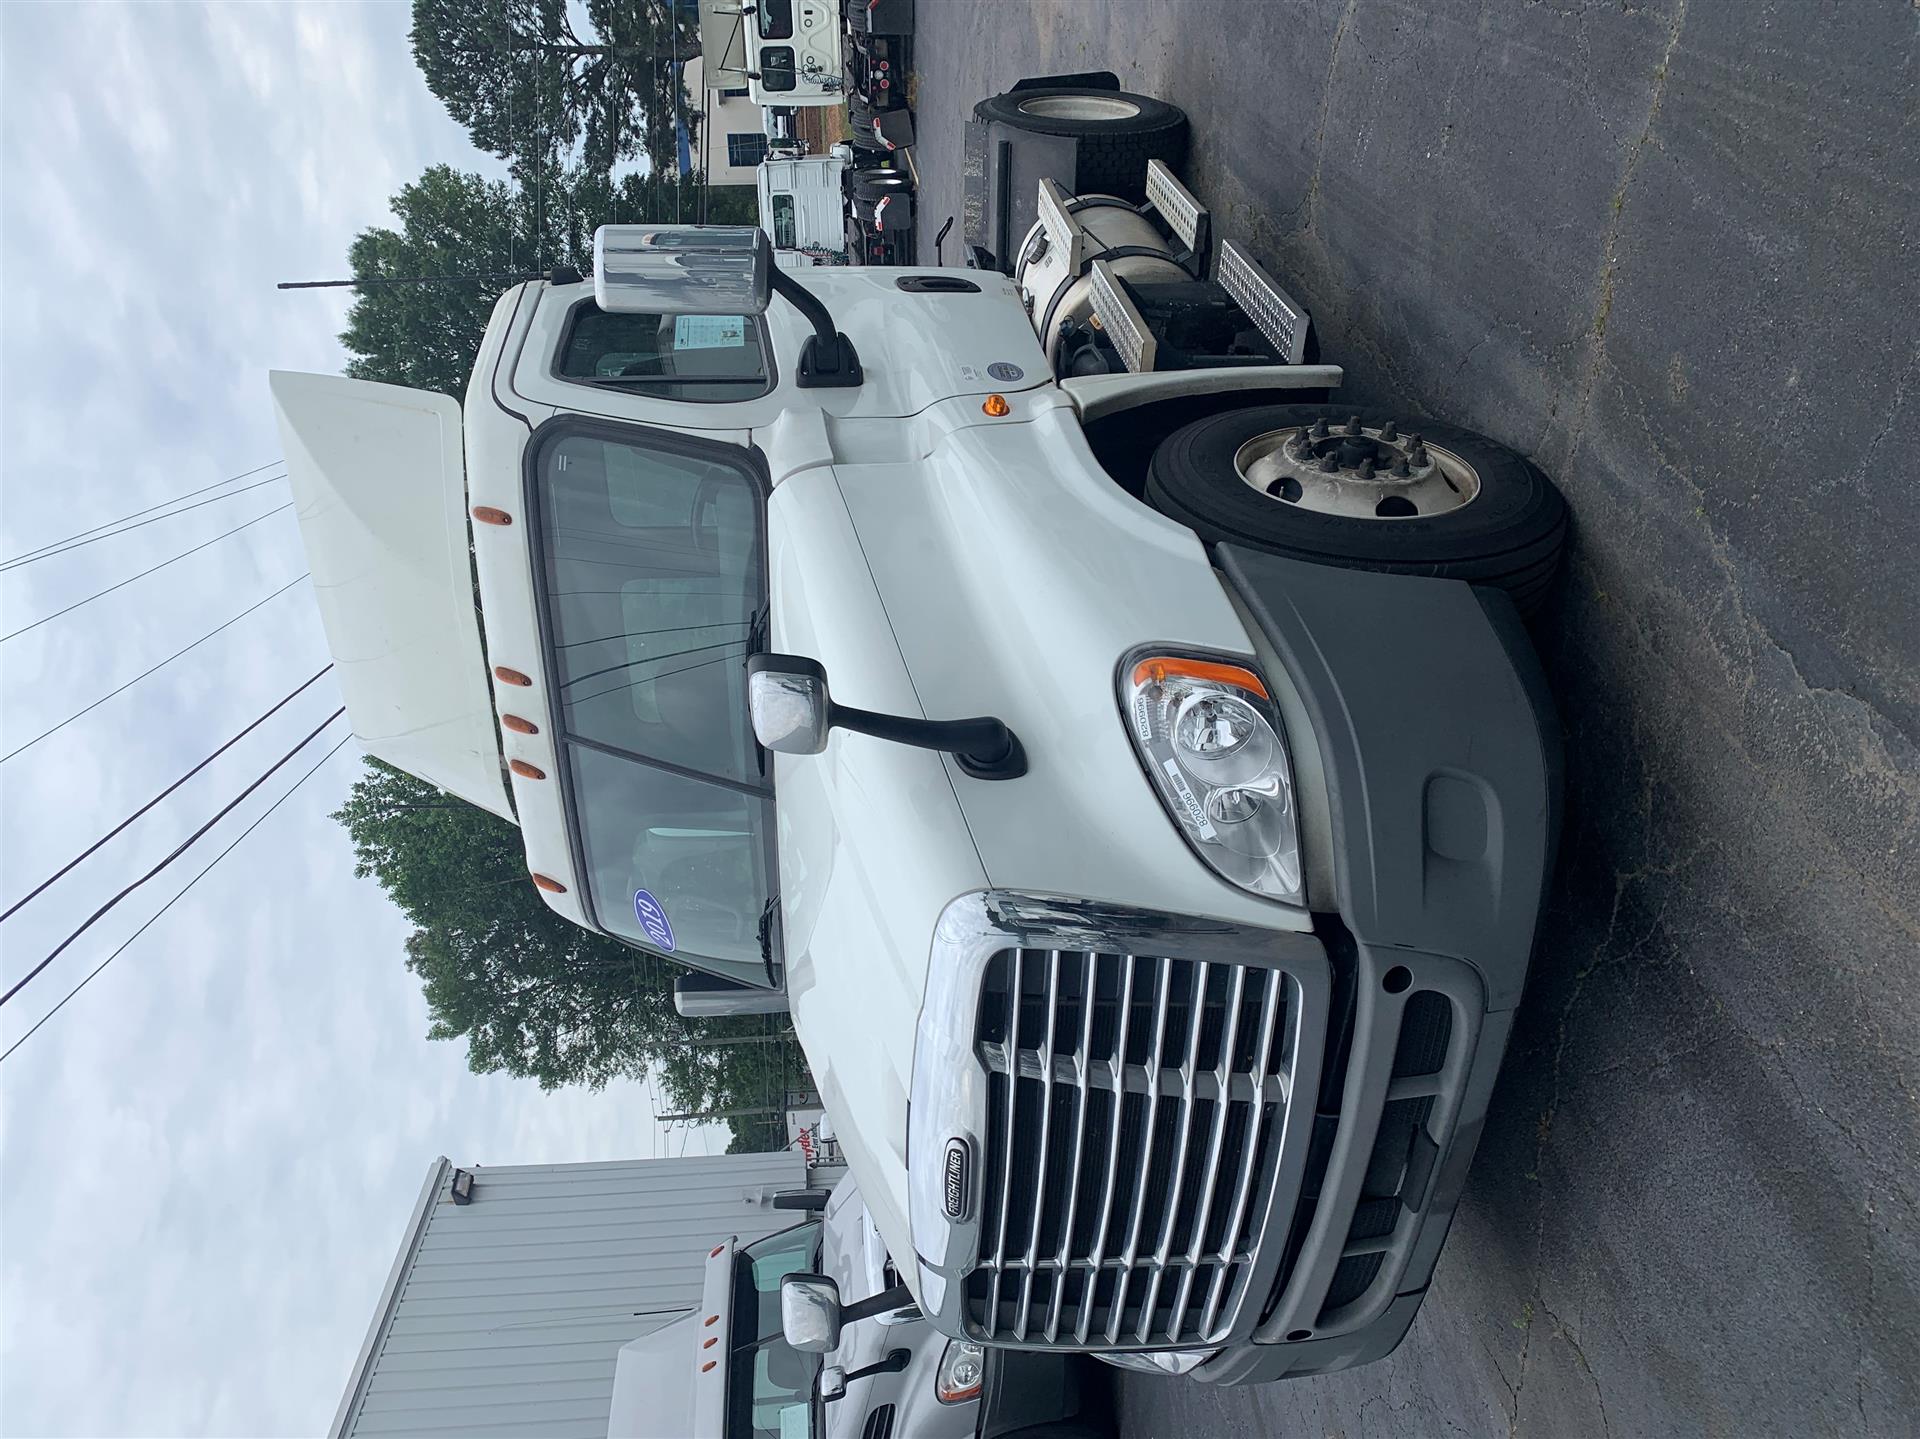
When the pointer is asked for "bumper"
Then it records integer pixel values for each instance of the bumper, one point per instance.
(1378, 1040)
(1440, 756)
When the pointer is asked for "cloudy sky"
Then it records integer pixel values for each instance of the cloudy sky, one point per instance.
(206, 1159)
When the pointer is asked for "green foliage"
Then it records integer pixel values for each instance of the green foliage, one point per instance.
(455, 224)
(528, 86)
(531, 993)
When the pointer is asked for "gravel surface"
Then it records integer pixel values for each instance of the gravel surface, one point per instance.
(1668, 250)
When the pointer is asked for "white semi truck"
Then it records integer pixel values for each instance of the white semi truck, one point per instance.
(726, 1371)
(782, 52)
(823, 208)
(1129, 767)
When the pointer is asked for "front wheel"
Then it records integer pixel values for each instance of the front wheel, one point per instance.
(1366, 489)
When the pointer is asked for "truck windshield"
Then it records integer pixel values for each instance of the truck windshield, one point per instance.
(653, 583)
(769, 1382)
(712, 358)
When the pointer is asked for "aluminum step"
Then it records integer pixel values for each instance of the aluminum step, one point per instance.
(1121, 320)
(1186, 217)
(1275, 313)
(1062, 230)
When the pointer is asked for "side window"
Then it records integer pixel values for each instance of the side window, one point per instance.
(710, 358)
(776, 19)
(776, 69)
(746, 150)
(786, 232)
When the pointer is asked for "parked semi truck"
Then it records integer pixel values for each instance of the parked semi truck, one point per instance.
(1127, 763)
(828, 208)
(790, 53)
(726, 1371)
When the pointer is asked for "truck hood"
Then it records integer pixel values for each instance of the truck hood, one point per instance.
(872, 847)
(984, 568)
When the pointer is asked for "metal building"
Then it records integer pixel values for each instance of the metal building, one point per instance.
(515, 1287)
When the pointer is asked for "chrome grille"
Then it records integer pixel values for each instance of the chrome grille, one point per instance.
(1135, 1108)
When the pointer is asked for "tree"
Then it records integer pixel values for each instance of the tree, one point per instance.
(533, 994)
(527, 85)
(455, 224)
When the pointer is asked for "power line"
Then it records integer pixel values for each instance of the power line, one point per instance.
(13, 634)
(63, 547)
(178, 896)
(179, 850)
(144, 673)
(147, 511)
(15, 907)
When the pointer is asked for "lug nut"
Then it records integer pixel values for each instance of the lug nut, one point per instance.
(1388, 432)
(1353, 426)
(1418, 454)
(1366, 469)
(1400, 470)
(1328, 464)
(1319, 430)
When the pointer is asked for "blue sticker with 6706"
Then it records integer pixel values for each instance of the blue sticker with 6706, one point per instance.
(653, 919)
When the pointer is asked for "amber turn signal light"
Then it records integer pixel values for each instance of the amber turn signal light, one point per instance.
(997, 406)
(488, 515)
(1157, 671)
(518, 725)
(510, 677)
(525, 770)
(551, 886)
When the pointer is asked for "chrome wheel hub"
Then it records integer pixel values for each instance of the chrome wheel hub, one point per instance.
(1360, 471)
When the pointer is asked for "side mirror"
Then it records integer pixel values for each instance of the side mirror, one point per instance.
(787, 696)
(810, 1313)
(793, 713)
(682, 269)
(833, 1383)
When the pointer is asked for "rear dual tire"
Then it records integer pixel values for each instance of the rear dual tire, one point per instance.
(1118, 132)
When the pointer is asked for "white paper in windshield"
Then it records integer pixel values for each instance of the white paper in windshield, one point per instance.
(709, 332)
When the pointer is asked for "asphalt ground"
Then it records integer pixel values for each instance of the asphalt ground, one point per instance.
(1667, 249)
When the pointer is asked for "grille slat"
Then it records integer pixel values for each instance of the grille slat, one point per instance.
(1113, 1151)
(1189, 1058)
(1051, 1019)
(1135, 1106)
(1209, 1178)
(1243, 1187)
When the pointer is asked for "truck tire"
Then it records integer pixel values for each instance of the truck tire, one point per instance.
(1473, 510)
(1118, 132)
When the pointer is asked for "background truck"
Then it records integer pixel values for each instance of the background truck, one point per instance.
(784, 52)
(879, 61)
(725, 1370)
(830, 209)
(1136, 778)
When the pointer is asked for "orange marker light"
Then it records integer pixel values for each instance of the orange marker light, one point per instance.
(525, 770)
(510, 677)
(708, 1365)
(488, 515)
(997, 406)
(710, 1319)
(551, 886)
(1155, 671)
(710, 1341)
(518, 725)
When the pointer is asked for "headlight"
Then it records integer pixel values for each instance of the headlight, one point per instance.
(1212, 744)
(962, 1368)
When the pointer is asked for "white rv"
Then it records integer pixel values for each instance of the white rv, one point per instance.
(783, 52)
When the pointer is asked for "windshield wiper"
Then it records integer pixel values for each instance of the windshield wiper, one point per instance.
(757, 629)
(767, 914)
